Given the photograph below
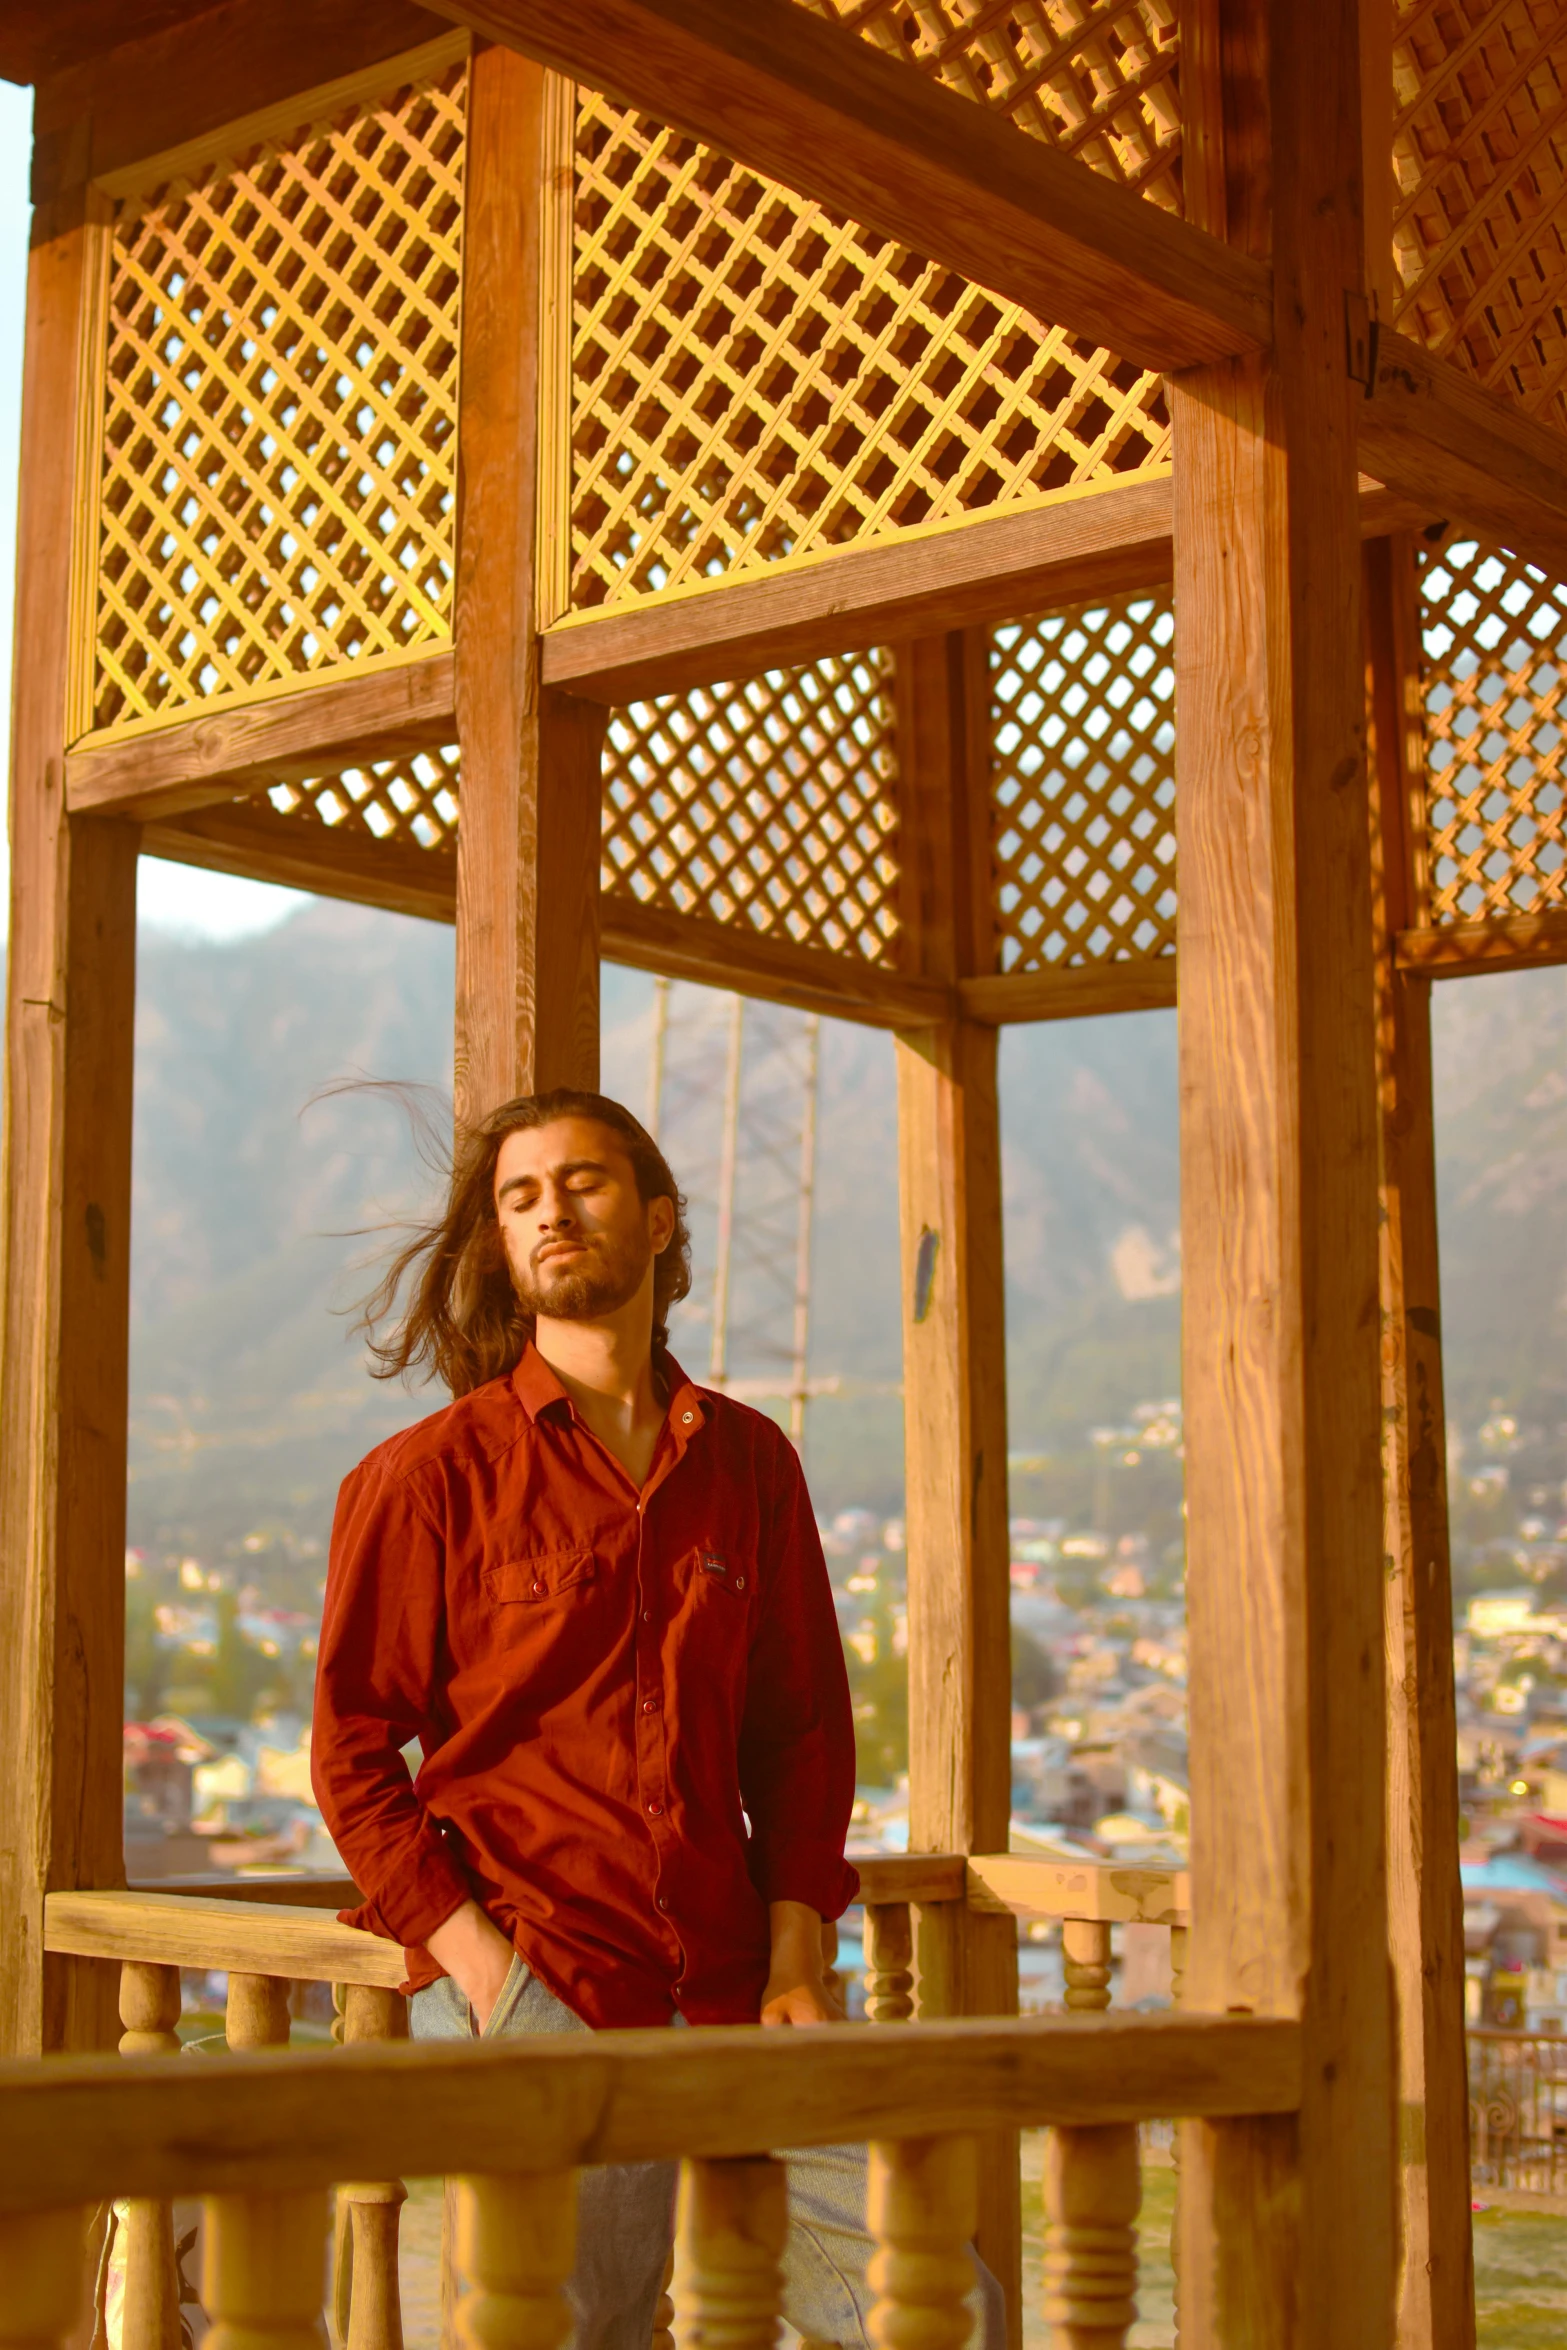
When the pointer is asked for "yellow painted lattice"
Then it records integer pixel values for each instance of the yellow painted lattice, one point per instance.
(280, 412)
(1480, 201)
(755, 379)
(768, 804)
(1097, 78)
(412, 800)
(1083, 786)
(1495, 638)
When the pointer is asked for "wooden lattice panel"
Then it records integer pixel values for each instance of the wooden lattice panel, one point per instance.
(1495, 635)
(412, 800)
(756, 379)
(1083, 787)
(1097, 78)
(768, 804)
(279, 435)
(1480, 202)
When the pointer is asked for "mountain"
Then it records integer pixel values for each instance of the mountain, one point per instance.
(260, 1196)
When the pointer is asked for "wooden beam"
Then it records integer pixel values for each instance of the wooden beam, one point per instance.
(66, 1224)
(316, 730)
(774, 970)
(1031, 1885)
(1510, 942)
(1079, 992)
(300, 1944)
(309, 1892)
(528, 847)
(911, 1876)
(1279, 1209)
(954, 1375)
(1425, 1897)
(1107, 542)
(1431, 432)
(139, 96)
(80, 2129)
(815, 107)
(331, 860)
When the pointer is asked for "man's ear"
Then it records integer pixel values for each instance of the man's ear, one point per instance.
(660, 1223)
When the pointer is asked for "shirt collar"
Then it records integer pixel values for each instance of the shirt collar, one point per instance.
(536, 1388)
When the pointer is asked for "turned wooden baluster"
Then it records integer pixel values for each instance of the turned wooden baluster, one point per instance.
(732, 2223)
(889, 1962)
(1093, 2186)
(264, 2268)
(150, 2311)
(257, 2012)
(1085, 1961)
(43, 2278)
(367, 2298)
(922, 2207)
(1179, 1939)
(515, 2244)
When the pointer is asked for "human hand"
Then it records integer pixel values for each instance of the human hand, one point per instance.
(797, 1991)
(477, 1956)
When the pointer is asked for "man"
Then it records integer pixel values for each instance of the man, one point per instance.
(594, 1593)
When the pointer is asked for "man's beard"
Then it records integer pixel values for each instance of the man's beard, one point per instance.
(583, 1292)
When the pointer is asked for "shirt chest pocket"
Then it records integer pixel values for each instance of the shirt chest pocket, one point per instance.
(561, 1577)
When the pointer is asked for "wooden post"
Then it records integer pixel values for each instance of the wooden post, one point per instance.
(921, 2205)
(731, 2227)
(66, 1232)
(42, 2278)
(889, 1962)
(1425, 1897)
(1288, 2232)
(528, 844)
(256, 2015)
(1086, 1964)
(954, 1372)
(516, 2243)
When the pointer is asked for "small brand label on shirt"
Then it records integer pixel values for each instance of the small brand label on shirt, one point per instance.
(710, 1562)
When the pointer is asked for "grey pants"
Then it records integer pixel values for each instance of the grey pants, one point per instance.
(626, 2211)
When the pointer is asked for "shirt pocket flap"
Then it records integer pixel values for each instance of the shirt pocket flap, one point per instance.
(545, 1575)
(708, 1569)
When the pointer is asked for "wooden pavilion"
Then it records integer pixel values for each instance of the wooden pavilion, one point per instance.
(841, 499)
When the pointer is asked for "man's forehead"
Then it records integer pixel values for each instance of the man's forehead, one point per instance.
(564, 1142)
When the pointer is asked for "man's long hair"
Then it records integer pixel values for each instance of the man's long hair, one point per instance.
(462, 1322)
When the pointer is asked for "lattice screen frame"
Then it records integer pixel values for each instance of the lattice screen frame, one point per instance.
(1493, 845)
(756, 382)
(1083, 787)
(211, 581)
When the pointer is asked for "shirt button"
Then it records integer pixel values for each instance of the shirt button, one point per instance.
(662, 1903)
(649, 1705)
(656, 1809)
(538, 1590)
(739, 1582)
(686, 1419)
(647, 1615)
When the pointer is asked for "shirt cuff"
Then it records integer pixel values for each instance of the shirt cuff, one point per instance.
(798, 1869)
(412, 1908)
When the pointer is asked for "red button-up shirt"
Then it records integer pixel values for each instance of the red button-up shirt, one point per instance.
(608, 1687)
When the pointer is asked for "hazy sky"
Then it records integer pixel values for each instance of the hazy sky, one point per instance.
(173, 897)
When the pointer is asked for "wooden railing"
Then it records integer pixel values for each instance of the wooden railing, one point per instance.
(265, 1945)
(263, 2139)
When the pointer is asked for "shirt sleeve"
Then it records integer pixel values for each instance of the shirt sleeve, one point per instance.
(380, 1634)
(797, 1735)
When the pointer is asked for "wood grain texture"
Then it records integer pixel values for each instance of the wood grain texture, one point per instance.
(66, 1234)
(293, 1892)
(1425, 1896)
(300, 2116)
(1280, 1207)
(1081, 992)
(131, 96)
(315, 731)
(182, 1929)
(910, 1876)
(1431, 432)
(249, 838)
(825, 113)
(954, 1377)
(774, 970)
(528, 849)
(1028, 1885)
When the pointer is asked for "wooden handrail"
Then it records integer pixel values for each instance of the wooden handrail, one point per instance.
(75, 2130)
(251, 1938)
